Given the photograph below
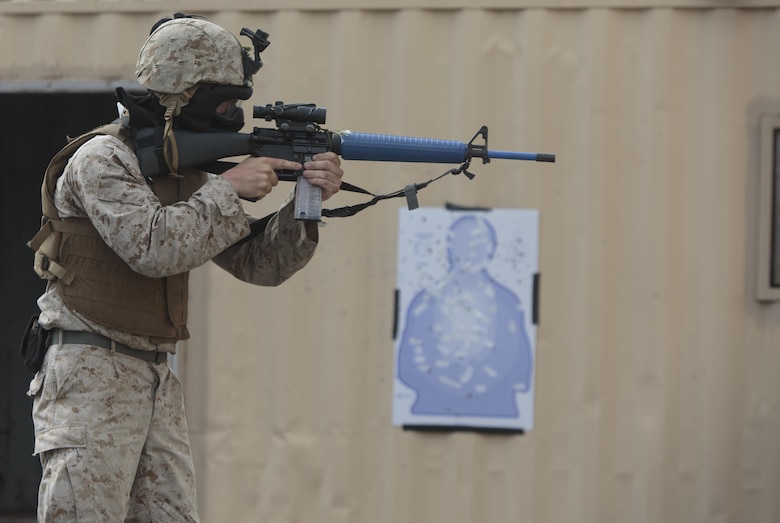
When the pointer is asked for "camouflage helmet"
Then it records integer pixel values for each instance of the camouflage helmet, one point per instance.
(184, 52)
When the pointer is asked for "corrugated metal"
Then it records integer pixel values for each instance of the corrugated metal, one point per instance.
(657, 396)
(201, 6)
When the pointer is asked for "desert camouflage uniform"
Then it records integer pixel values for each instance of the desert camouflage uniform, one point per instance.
(110, 428)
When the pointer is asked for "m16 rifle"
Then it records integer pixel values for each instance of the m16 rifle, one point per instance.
(299, 136)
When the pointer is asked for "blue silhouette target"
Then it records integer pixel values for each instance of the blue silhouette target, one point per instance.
(466, 344)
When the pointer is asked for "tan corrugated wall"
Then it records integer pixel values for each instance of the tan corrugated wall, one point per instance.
(658, 374)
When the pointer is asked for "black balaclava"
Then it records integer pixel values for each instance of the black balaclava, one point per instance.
(200, 114)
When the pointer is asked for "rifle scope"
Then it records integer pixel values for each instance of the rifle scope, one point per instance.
(308, 113)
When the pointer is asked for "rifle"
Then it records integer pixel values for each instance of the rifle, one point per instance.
(299, 136)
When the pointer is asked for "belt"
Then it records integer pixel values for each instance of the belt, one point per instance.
(64, 337)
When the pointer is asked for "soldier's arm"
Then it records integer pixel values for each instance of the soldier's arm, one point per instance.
(283, 247)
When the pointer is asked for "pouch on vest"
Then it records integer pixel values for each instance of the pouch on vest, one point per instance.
(46, 245)
(35, 343)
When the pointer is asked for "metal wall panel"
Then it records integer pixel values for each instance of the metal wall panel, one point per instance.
(657, 397)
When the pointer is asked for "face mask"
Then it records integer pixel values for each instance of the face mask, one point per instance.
(200, 114)
(231, 120)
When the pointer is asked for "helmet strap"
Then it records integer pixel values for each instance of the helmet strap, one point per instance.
(173, 104)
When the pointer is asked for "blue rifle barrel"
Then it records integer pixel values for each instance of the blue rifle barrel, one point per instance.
(390, 148)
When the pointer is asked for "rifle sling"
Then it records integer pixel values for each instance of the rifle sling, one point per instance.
(409, 192)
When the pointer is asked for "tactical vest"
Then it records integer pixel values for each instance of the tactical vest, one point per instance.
(95, 281)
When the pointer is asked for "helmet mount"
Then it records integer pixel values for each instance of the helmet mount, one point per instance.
(259, 42)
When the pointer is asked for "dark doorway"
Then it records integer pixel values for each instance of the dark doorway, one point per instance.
(33, 127)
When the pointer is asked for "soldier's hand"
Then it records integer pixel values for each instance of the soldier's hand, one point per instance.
(324, 171)
(255, 177)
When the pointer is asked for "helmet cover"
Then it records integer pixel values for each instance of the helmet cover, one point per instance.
(184, 52)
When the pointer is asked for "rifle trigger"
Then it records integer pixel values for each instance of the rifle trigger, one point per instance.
(411, 197)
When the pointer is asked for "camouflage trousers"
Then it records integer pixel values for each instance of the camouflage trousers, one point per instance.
(112, 438)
